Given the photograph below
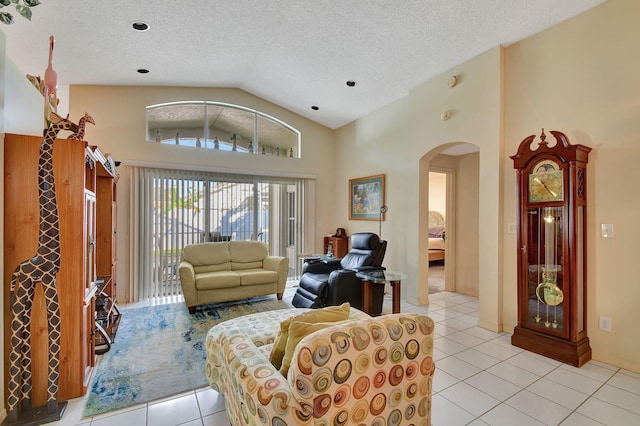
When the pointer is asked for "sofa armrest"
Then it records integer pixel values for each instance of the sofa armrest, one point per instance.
(377, 367)
(188, 281)
(281, 266)
(248, 379)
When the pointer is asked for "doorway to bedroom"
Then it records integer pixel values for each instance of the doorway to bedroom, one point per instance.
(437, 230)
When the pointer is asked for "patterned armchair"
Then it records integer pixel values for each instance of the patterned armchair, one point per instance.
(367, 370)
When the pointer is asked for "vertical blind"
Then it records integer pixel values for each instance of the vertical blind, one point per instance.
(174, 208)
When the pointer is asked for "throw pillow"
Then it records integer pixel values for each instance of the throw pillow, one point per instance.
(297, 331)
(328, 314)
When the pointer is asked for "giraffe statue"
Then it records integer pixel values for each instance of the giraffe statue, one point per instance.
(79, 135)
(41, 268)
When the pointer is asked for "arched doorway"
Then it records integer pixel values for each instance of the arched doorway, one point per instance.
(459, 161)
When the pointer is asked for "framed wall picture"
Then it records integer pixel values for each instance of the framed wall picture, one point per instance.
(366, 197)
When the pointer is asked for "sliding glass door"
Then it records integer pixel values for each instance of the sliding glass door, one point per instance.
(174, 208)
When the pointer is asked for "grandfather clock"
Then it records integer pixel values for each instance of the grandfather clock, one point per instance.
(552, 284)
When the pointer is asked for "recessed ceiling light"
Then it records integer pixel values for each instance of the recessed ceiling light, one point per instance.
(351, 83)
(143, 71)
(139, 26)
(315, 108)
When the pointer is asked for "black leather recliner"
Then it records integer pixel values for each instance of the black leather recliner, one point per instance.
(333, 282)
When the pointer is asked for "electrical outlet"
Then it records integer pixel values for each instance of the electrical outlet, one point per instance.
(605, 324)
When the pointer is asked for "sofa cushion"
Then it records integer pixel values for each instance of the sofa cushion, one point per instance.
(256, 276)
(208, 257)
(247, 254)
(328, 314)
(297, 331)
(213, 280)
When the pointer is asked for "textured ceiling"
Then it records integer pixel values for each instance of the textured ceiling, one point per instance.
(294, 53)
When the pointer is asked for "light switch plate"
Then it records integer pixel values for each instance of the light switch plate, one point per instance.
(606, 230)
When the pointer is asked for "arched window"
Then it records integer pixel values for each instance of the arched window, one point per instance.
(222, 126)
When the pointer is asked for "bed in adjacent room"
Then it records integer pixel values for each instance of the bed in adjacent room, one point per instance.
(436, 236)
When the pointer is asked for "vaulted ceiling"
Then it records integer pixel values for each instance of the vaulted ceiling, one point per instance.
(298, 54)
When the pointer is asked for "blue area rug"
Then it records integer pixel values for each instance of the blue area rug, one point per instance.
(159, 352)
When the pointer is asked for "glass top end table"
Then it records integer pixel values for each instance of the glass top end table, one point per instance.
(381, 277)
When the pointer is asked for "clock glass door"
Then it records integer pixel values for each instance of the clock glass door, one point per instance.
(545, 261)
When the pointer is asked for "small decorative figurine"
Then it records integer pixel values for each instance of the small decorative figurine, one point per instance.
(264, 151)
(250, 147)
(277, 151)
(234, 146)
(158, 138)
(290, 152)
(198, 144)
(178, 138)
(216, 143)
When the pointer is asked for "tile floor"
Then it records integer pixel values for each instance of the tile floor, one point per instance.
(480, 380)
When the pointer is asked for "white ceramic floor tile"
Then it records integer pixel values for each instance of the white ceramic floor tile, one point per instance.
(477, 358)
(608, 414)
(196, 422)
(493, 385)
(216, 419)
(504, 415)
(464, 309)
(455, 323)
(512, 373)
(563, 395)
(137, 416)
(574, 380)
(446, 413)
(457, 368)
(539, 408)
(592, 371)
(470, 319)
(465, 339)
(577, 419)
(531, 364)
(482, 333)
(619, 397)
(497, 351)
(442, 380)
(448, 346)
(438, 354)
(630, 373)
(209, 401)
(473, 400)
(505, 340)
(626, 382)
(174, 411)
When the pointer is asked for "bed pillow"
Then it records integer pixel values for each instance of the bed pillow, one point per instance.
(328, 314)
(298, 330)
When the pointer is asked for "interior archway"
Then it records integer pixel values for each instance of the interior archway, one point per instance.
(460, 162)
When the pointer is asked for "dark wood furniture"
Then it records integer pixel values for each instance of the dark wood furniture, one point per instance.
(86, 198)
(373, 278)
(107, 313)
(339, 245)
(75, 186)
(552, 281)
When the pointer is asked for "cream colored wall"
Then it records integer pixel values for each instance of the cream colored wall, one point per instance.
(400, 139)
(467, 225)
(581, 77)
(438, 192)
(119, 113)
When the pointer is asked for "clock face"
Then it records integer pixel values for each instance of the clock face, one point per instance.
(545, 182)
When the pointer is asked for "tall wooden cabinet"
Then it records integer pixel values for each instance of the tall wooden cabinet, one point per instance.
(77, 184)
(107, 313)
